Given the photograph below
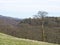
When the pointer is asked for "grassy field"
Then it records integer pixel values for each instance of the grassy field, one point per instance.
(9, 40)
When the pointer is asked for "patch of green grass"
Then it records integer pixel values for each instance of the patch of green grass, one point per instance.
(9, 40)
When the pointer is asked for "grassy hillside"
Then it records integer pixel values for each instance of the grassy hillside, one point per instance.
(9, 40)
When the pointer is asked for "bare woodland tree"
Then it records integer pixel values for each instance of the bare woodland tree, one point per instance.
(41, 15)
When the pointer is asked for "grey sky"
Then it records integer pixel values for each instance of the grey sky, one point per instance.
(28, 8)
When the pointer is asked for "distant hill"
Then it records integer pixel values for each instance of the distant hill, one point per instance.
(8, 20)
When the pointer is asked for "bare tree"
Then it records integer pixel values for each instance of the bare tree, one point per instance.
(41, 15)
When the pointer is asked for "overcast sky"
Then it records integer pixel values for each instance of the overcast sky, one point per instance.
(28, 8)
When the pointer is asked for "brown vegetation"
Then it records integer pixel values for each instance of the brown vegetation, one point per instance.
(31, 28)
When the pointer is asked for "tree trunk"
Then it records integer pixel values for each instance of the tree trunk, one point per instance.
(43, 31)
